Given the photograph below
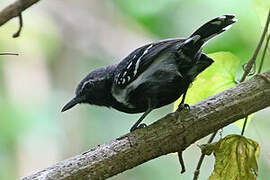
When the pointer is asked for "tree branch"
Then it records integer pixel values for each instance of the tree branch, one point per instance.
(14, 10)
(175, 131)
(9, 53)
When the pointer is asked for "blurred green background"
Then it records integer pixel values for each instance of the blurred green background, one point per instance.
(62, 41)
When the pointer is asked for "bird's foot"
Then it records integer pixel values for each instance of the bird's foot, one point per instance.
(184, 107)
(142, 125)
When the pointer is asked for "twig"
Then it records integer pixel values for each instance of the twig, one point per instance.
(180, 155)
(15, 10)
(9, 53)
(247, 70)
(264, 53)
(244, 126)
(253, 59)
(181, 161)
(17, 34)
(197, 171)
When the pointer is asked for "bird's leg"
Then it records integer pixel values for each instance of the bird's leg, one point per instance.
(182, 105)
(137, 125)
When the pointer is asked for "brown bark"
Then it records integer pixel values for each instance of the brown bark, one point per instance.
(175, 131)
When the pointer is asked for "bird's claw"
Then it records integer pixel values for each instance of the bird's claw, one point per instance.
(184, 107)
(142, 125)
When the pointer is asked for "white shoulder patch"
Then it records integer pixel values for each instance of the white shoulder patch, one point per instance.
(138, 61)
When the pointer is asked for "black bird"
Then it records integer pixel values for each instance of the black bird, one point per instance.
(151, 76)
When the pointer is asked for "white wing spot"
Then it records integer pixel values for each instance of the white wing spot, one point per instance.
(226, 28)
(222, 17)
(128, 78)
(124, 73)
(138, 61)
(130, 64)
(216, 22)
(234, 20)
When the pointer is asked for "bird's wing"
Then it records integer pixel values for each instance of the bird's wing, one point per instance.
(139, 60)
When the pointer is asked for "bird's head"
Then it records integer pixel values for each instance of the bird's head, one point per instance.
(93, 89)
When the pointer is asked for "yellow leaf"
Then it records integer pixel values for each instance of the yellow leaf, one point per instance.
(236, 158)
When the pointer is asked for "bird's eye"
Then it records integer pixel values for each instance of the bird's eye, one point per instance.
(86, 85)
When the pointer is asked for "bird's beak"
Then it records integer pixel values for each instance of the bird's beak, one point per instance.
(70, 104)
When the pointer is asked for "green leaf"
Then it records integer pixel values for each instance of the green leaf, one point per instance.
(218, 77)
(236, 158)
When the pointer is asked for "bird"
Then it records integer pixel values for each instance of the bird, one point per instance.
(151, 76)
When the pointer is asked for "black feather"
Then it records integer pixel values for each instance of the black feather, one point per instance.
(151, 76)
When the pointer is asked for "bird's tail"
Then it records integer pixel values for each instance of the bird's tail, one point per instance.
(214, 27)
(192, 45)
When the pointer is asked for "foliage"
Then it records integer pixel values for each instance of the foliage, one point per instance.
(236, 158)
(218, 77)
